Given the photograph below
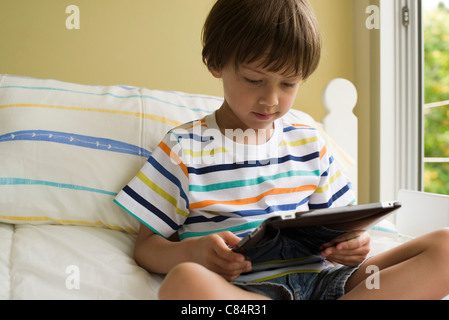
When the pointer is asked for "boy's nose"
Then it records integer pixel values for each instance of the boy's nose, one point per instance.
(269, 98)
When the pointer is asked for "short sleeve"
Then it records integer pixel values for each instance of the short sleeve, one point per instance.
(158, 194)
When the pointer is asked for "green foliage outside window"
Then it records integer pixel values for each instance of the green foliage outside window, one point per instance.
(436, 88)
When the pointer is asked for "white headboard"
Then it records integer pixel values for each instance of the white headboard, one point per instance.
(340, 98)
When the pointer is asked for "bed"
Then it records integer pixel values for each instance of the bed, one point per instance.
(66, 149)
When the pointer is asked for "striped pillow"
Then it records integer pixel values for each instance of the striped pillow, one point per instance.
(67, 149)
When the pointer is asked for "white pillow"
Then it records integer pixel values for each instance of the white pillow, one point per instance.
(67, 149)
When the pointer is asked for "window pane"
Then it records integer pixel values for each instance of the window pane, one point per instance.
(436, 132)
(436, 50)
(436, 178)
(436, 89)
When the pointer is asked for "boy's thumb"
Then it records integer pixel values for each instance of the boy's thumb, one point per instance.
(230, 238)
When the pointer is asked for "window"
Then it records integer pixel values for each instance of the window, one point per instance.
(400, 87)
(435, 25)
(414, 93)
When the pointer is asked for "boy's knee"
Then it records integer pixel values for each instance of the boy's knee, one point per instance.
(441, 238)
(440, 247)
(180, 281)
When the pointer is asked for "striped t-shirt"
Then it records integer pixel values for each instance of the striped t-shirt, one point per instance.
(199, 181)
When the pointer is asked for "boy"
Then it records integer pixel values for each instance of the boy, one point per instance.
(214, 180)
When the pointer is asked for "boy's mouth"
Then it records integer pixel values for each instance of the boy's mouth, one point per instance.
(264, 116)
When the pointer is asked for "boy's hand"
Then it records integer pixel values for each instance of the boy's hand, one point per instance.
(349, 249)
(213, 252)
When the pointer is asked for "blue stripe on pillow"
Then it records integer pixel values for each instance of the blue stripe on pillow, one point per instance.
(76, 140)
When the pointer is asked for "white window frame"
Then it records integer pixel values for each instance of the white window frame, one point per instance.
(400, 157)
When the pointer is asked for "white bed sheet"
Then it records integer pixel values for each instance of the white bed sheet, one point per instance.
(6, 237)
(48, 261)
(382, 241)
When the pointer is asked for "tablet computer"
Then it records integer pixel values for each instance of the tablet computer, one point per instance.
(340, 218)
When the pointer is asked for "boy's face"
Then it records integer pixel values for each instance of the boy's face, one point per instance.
(254, 97)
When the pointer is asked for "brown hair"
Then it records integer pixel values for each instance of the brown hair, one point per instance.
(282, 34)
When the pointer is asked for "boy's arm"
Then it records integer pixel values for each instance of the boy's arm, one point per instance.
(156, 254)
(159, 255)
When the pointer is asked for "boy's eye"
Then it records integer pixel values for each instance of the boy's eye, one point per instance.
(252, 81)
(289, 85)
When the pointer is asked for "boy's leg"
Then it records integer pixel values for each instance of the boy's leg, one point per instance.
(418, 269)
(191, 281)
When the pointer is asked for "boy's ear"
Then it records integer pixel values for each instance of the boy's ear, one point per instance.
(215, 72)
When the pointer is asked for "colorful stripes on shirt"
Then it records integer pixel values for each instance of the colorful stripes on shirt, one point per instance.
(199, 182)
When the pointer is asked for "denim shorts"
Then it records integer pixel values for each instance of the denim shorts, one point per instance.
(287, 266)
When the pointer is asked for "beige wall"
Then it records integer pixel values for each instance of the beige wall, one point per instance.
(156, 44)
(150, 43)
(336, 23)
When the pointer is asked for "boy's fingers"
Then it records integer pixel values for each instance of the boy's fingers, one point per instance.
(349, 240)
(349, 244)
(229, 263)
(231, 268)
(359, 240)
(230, 238)
(224, 254)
